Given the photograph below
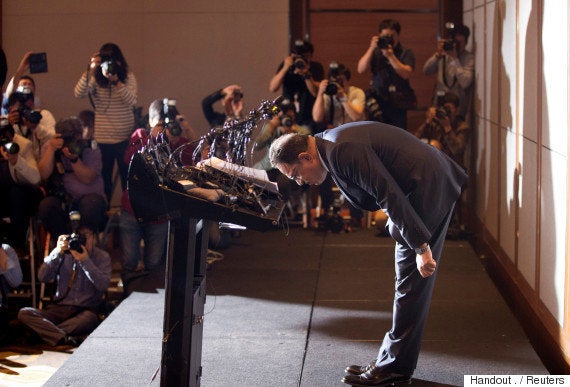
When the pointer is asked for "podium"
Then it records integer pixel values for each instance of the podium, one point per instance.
(185, 284)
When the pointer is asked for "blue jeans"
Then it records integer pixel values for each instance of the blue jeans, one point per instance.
(155, 236)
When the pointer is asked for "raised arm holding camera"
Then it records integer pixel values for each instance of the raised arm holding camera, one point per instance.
(299, 77)
(112, 90)
(454, 66)
(83, 273)
(392, 65)
(231, 98)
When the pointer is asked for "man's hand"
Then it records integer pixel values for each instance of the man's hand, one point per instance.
(80, 256)
(426, 264)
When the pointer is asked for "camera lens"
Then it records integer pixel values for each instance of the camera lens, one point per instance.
(286, 121)
(331, 89)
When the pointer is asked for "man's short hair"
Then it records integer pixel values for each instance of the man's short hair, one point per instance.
(451, 97)
(462, 30)
(301, 47)
(70, 127)
(29, 79)
(389, 24)
(154, 112)
(286, 149)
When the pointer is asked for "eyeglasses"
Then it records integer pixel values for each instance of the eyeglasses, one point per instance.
(294, 175)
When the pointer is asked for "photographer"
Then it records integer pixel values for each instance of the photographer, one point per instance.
(231, 98)
(392, 65)
(164, 120)
(72, 169)
(337, 101)
(35, 125)
(83, 273)
(19, 179)
(453, 65)
(299, 75)
(20, 79)
(112, 90)
(445, 129)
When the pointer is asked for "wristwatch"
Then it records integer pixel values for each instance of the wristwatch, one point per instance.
(422, 250)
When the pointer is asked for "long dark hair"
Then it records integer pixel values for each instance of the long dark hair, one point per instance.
(112, 52)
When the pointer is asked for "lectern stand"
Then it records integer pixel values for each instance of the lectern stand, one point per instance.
(185, 298)
(189, 217)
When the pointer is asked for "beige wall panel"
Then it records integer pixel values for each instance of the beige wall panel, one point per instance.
(479, 3)
(528, 184)
(467, 6)
(493, 62)
(508, 65)
(507, 204)
(529, 88)
(555, 70)
(487, 176)
(553, 231)
(179, 49)
(478, 48)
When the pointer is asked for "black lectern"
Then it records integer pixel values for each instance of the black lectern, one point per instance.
(152, 199)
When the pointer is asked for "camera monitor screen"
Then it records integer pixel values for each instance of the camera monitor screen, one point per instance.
(38, 63)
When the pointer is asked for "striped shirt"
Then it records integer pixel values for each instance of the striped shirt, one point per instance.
(114, 119)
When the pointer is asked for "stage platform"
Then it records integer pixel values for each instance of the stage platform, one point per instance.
(295, 310)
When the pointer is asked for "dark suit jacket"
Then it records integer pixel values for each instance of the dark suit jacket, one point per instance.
(379, 166)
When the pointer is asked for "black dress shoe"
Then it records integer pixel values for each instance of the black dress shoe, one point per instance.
(358, 369)
(374, 377)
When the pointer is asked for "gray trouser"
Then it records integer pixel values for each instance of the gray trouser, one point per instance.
(56, 322)
(400, 348)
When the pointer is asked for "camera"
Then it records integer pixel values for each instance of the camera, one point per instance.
(6, 136)
(373, 107)
(75, 144)
(32, 116)
(385, 41)
(110, 67)
(448, 45)
(442, 113)
(286, 121)
(299, 62)
(76, 240)
(332, 88)
(169, 114)
(237, 95)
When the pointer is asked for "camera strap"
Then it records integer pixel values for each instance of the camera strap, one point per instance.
(444, 75)
(69, 285)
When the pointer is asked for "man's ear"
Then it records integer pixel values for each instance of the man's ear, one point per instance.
(305, 156)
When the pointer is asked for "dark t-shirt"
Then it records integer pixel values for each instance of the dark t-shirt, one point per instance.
(294, 85)
(383, 74)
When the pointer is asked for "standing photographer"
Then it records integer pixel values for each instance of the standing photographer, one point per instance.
(71, 167)
(19, 180)
(454, 67)
(82, 272)
(27, 121)
(299, 75)
(392, 65)
(112, 90)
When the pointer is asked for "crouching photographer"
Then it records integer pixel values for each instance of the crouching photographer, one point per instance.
(71, 167)
(82, 272)
(445, 129)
